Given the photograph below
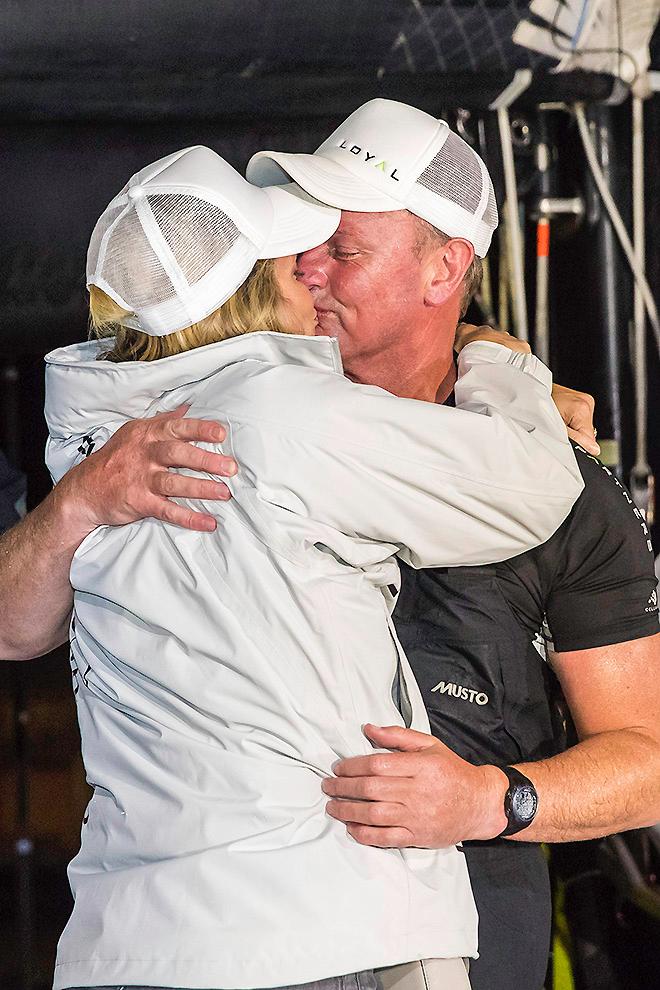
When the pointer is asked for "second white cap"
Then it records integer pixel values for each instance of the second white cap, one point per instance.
(185, 233)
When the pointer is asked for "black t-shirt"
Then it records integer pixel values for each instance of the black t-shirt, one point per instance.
(474, 635)
(594, 579)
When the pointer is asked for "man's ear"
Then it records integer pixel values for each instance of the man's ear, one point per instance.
(445, 270)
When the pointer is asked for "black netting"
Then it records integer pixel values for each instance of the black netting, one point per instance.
(460, 36)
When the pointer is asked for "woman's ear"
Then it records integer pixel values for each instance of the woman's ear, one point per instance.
(445, 267)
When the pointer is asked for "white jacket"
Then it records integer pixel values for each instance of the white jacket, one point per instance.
(219, 677)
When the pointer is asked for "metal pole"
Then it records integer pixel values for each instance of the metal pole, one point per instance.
(542, 320)
(641, 482)
(514, 240)
(503, 280)
(614, 292)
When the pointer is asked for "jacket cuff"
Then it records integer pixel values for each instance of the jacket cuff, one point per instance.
(481, 352)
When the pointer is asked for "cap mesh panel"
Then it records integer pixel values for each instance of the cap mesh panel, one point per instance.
(454, 174)
(198, 233)
(132, 268)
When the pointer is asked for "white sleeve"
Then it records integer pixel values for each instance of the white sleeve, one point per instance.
(479, 483)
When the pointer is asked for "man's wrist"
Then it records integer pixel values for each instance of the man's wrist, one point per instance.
(495, 784)
(71, 511)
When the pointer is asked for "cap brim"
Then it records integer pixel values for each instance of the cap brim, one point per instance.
(299, 222)
(322, 178)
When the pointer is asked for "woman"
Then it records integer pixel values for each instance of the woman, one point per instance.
(219, 677)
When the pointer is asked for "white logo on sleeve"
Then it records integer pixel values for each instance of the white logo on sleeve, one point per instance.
(458, 691)
(652, 604)
(539, 645)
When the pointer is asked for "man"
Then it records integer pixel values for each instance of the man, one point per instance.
(472, 634)
(365, 300)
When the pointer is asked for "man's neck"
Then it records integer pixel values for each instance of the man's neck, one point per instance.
(431, 378)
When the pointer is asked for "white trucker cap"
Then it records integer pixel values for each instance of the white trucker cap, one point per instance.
(185, 232)
(389, 156)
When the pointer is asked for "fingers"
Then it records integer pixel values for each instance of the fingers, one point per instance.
(376, 813)
(380, 764)
(181, 516)
(181, 486)
(577, 411)
(383, 838)
(200, 430)
(398, 737)
(173, 425)
(179, 454)
(586, 440)
(366, 788)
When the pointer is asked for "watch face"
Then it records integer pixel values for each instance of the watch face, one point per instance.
(524, 802)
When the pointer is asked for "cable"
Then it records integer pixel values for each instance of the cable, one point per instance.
(616, 220)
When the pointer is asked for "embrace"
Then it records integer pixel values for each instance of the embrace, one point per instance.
(302, 690)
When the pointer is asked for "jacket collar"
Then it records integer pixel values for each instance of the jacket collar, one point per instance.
(81, 390)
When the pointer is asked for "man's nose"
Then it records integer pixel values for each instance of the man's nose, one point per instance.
(311, 267)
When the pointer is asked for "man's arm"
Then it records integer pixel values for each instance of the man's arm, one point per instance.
(428, 796)
(602, 597)
(126, 480)
(610, 781)
(35, 594)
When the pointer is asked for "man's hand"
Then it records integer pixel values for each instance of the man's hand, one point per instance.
(425, 795)
(577, 411)
(129, 477)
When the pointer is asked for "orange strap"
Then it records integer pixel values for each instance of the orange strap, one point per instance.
(543, 239)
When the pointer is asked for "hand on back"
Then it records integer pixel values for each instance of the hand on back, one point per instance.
(129, 478)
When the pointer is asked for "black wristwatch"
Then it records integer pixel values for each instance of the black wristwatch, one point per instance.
(520, 802)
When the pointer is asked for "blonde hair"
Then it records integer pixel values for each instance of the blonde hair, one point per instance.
(254, 306)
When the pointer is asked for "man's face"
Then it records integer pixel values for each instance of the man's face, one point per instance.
(368, 284)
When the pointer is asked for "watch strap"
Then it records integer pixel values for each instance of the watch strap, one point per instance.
(514, 823)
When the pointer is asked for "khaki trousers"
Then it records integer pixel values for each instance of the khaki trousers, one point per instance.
(428, 974)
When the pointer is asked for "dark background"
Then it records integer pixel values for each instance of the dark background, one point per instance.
(90, 92)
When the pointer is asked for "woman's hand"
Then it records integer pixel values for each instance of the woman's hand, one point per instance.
(577, 411)
(467, 333)
(575, 408)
